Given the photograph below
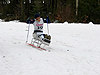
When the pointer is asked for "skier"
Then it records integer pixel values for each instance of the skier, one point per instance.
(38, 28)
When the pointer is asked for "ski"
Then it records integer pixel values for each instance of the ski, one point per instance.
(38, 47)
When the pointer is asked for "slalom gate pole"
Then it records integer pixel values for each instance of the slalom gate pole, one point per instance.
(47, 26)
(28, 32)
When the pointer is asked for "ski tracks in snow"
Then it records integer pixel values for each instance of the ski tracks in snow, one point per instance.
(70, 53)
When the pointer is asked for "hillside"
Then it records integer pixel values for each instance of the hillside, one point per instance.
(75, 50)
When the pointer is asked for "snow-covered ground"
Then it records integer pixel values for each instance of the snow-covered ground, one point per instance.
(75, 50)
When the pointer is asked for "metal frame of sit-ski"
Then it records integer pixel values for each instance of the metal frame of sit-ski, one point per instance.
(39, 42)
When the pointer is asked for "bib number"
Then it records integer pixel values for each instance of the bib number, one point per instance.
(40, 27)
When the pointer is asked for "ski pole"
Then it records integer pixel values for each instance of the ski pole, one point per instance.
(47, 25)
(28, 32)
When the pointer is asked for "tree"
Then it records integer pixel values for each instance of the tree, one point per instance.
(37, 7)
(19, 10)
(89, 8)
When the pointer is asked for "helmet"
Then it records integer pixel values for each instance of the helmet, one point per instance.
(36, 15)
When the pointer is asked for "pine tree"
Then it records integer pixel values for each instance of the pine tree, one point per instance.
(19, 11)
(37, 7)
(88, 11)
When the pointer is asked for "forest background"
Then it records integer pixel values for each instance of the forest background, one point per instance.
(77, 11)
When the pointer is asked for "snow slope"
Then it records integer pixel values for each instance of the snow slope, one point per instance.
(75, 50)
